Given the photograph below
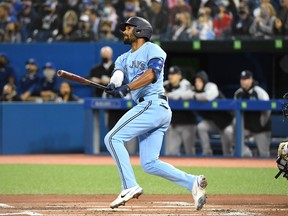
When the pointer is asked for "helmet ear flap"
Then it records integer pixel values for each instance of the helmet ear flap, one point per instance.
(137, 32)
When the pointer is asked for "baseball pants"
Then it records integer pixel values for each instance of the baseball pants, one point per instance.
(148, 121)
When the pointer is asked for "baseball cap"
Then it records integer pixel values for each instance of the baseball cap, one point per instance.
(174, 70)
(49, 65)
(246, 74)
(31, 61)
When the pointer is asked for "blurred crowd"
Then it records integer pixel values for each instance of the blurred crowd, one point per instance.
(38, 83)
(98, 20)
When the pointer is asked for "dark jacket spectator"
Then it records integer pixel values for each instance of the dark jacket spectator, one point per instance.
(183, 124)
(157, 15)
(29, 83)
(84, 31)
(27, 18)
(101, 73)
(241, 25)
(47, 25)
(256, 123)
(7, 73)
(49, 83)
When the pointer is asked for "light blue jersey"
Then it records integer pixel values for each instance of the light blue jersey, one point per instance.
(135, 63)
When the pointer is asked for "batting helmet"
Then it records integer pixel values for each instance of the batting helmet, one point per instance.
(143, 28)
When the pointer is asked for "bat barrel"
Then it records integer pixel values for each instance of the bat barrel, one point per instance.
(60, 73)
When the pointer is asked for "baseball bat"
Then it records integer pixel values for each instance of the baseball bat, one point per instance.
(76, 78)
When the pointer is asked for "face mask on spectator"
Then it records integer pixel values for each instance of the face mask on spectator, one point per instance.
(105, 60)
(49, 73)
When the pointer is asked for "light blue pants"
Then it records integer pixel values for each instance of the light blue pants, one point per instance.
(148, 121)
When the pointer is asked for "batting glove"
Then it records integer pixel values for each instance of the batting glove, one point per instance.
(121, 91)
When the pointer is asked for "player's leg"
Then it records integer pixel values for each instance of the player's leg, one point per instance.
(133, 123)
(263, 141)
(150, 145)
(227, 139)
(173, 141)
(188, 133)
(203, 129)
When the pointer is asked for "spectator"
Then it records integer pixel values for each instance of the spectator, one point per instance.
(263, 26)
(5, 21)
(180, 7)
(182, 129)
(202, 28)
(256, 123)
(9, 93)
(130, 9)
(68, 27)
(49, 84)
(181, 31)
(95, 20)
(109, 13)
(212, 121)
(27, 17)
(197, 4)
(29, 83)
(71, 5)
(106, 34)
(84, 31)
(241, 26)
(13, 31)
(257, 7)
(66, 93)
(48, 24)
(157, 15)
(283, 16)
(222, 22)
(101, 73)
(7, 72)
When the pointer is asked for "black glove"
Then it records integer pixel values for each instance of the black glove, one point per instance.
(121, 91)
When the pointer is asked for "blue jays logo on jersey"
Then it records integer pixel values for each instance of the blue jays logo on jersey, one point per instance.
(139, 67)
(138, 64)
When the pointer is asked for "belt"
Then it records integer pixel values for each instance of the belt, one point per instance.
(141, 99)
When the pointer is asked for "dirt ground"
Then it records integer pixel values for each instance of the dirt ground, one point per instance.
(157, 205)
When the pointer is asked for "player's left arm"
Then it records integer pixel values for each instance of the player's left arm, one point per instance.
(155, 67)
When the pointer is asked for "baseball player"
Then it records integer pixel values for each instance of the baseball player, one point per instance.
(142, 66)
(256, 123)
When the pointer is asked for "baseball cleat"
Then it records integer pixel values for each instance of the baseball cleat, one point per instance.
(126, 195)
(198, 191)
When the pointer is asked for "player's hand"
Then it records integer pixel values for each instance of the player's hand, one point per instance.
(121, 91)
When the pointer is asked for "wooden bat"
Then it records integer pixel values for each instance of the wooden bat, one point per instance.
(76, 78)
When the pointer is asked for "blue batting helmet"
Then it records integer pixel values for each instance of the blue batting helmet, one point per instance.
(143, 28)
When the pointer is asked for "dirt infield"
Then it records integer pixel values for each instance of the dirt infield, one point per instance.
(159, 205)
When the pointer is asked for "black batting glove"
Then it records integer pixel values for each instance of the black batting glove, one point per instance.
(120, 92)
(110, 87)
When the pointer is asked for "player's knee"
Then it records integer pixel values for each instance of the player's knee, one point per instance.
(107, 140)
(201, 127)
(148, 167)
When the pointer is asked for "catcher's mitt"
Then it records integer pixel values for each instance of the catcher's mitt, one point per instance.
(282, 160)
